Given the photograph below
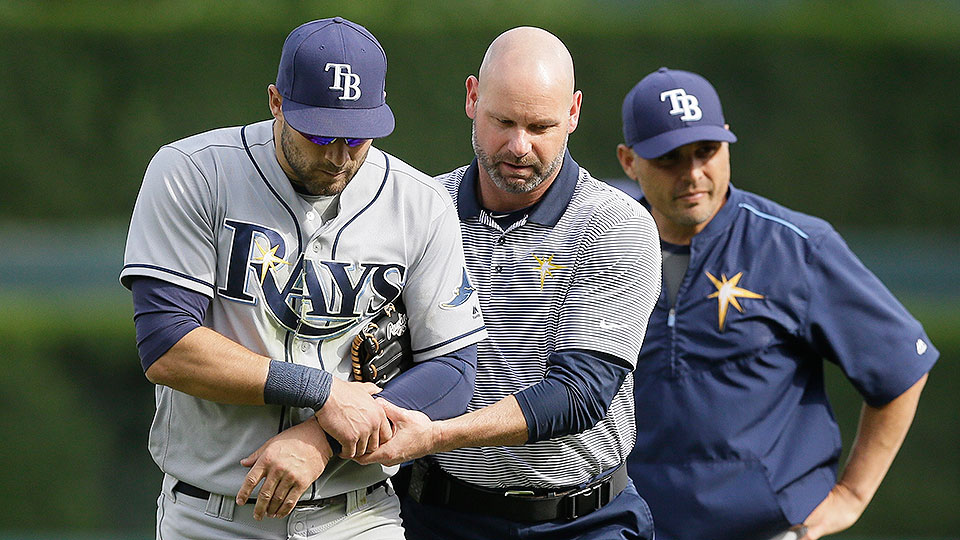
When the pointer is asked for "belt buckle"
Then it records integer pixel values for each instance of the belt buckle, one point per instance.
(595, 501)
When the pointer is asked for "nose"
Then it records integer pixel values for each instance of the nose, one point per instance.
(693, 169)
(337, 153)
(519, 143)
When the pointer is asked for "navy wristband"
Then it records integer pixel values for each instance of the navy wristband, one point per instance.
(294, 385)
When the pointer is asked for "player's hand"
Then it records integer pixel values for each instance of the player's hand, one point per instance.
(287, 463)
(840, 510)
(353, 418)
(415, 435)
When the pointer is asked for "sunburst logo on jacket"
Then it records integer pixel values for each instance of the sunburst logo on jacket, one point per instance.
(727, 293)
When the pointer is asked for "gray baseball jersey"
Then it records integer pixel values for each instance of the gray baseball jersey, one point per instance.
(216, 214)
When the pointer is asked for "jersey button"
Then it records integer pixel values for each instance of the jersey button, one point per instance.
(497, 268)
(316, 247)
(310, 216)
(501, 241)
(304, 346)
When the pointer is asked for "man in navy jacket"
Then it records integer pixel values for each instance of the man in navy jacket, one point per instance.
(736, 438)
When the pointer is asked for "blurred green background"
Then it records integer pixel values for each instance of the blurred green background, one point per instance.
(846, 110)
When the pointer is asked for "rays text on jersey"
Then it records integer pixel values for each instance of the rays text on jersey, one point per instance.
(315, 298)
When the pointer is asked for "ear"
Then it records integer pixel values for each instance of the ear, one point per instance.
(473, 95)
(627, 158)
(575, 111)
(275, 101)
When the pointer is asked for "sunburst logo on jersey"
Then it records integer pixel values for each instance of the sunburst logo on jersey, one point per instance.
(727, 293)
(545, 266)
(269, 259)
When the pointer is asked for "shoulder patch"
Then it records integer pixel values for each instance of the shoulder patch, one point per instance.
(461, 294)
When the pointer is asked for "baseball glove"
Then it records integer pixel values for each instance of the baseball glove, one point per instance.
(381, 350)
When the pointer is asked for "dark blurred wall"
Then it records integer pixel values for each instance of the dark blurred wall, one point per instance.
(848, 120)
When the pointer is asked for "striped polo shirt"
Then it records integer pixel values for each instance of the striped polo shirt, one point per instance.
(580, 271)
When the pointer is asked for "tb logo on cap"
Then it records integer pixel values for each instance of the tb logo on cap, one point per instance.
(683, 103)
(344, 79)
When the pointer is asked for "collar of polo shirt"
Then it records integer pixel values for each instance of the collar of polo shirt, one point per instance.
(546, 211)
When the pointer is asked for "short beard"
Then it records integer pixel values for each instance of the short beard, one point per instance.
(517, 185)
(303, 180)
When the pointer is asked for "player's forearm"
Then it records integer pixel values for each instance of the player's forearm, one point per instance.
(500, 424)
(879, 436)
(207, 365)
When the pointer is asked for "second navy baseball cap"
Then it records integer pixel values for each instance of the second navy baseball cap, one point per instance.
(332, 78)
(670, 108)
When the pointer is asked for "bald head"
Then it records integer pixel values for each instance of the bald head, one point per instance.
(528, 56)
(523, 105)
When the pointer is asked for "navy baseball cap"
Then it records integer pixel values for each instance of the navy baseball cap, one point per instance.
(332, 76)
(670, 108)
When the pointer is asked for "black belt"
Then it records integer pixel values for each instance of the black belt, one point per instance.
(430, 484)
(193, 491)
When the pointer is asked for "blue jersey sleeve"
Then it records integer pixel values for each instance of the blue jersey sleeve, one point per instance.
(163, 313)
(574, 394)
(440, 387)
(855, 322)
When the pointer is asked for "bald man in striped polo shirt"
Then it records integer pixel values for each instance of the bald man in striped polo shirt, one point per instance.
(568, 271)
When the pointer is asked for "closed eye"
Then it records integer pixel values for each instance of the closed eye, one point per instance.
(541, 128)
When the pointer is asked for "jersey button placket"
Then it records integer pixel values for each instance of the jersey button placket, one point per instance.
(500, 254)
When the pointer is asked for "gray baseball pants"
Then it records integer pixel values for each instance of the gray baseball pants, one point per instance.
(360, 516)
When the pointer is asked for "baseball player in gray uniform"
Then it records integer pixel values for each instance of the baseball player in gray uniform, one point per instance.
(254, 254)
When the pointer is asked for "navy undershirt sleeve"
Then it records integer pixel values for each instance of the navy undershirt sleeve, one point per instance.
(163, 314)
(574, 395)
(440, 387)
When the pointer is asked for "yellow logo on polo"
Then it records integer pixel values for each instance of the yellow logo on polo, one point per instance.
(544, 267)
(727, 294)
(269, 259)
